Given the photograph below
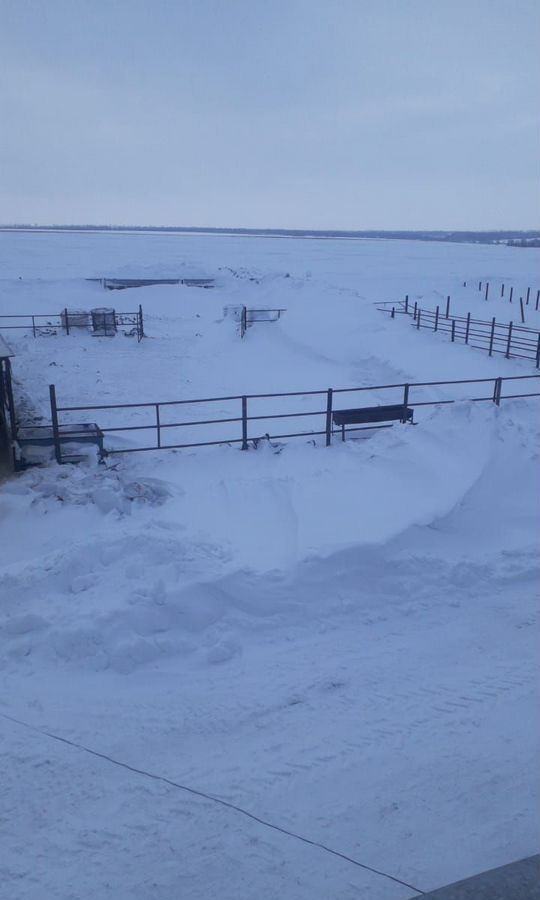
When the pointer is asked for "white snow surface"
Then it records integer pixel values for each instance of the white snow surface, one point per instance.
(341, 641)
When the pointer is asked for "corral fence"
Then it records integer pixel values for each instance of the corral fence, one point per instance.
(507, 338)
(252, 316)
(100, 322)
(484, 286)
(247, 419)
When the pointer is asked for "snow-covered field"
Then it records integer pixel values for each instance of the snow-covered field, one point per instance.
(339, 641)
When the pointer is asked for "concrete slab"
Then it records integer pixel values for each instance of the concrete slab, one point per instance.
(517, 881)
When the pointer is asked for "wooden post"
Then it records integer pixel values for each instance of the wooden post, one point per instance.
(244, 423)
(406, 303)
(436, 319)
(467, 327)
(33, 326)
(502, 290)
(479, 285)
(453, 330)
(538, 353)
(329, 417)
(528, 295)
(522, 310)
(418, 319)
(393, 313)
(66, 320)
(416, 307)
(447, 307)
(487, 290)
(511, 294)
(537, 299)
(54, 422)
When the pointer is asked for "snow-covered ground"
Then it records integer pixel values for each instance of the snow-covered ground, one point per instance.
(340, 641)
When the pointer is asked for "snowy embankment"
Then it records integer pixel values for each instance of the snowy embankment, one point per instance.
(338, 640)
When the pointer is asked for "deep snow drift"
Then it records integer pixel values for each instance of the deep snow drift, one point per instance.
(340, 640)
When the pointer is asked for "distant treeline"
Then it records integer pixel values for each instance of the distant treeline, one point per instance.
(513, 238)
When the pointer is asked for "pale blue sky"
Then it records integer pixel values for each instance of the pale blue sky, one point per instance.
(293, 113)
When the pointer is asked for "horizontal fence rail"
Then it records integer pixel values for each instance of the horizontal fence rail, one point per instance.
(508, 338)
(234, 415)
(69, 321)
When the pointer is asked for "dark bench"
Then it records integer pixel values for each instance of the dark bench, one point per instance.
(368, 414)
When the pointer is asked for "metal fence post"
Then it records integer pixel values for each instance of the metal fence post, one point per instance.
(54, 422)
(522, 310)
(497, 391)
(502, 290)
(158, 427)
(436, 319)
(405, 403)
(406, 303)
(509, 341)
(511, 293)
(393, 313)
(329, 417)
(447, 307)
(244, 423)
(528, 295)
(453, 330)
(416, 308)
(538, 353)
(537, 299)
(141, 323)
(66, 317)
(243, 324)
(8, 384)
(479, 285)
(467, 327)
(418, 318)
(492, 335)
(33, 326)
(487, 290)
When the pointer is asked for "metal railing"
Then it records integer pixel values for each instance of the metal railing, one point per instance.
(507, 338)
(240, 414)
(41, 323)
(251, 316)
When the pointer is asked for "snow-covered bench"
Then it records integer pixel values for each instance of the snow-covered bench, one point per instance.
(371, 414)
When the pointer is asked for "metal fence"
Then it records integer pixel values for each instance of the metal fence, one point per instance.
(120, 284)
(68, 321)
(239, 419)
(251, 316)
(507, 338)
(484, 286)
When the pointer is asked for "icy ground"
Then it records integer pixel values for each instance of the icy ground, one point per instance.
(342, 641)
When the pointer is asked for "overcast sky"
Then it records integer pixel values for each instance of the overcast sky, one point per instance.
(293, 113)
